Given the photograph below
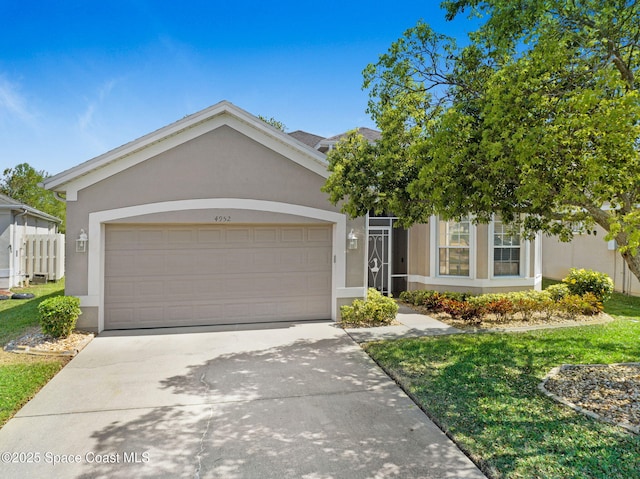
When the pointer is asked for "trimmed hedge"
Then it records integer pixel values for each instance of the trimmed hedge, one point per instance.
(58, 315)
(376, 310)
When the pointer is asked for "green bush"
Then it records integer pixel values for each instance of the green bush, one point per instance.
(574, 305)
(376, 310)
(558, 291)
(581, 281)
(416, 297)
(58, 315)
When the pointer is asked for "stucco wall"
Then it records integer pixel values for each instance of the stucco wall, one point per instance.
(587, 251)
(220, 164)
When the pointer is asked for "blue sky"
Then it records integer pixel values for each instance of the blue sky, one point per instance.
(79, 78)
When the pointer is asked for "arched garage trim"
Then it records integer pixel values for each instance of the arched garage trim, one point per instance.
(97, 220)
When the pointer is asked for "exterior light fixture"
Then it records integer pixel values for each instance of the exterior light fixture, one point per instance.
(81, 242)
(353, 240)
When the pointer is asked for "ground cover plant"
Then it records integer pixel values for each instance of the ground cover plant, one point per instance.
(21, 375)
(482, 390)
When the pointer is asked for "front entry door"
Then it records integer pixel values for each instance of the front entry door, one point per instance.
(379, 254)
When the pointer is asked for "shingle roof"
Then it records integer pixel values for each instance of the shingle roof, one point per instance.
(368, 133)
(307, 138)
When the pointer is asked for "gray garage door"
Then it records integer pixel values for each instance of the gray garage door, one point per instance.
(178, 275)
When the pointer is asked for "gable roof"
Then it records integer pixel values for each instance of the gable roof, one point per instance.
(8, 203)
(224, 113)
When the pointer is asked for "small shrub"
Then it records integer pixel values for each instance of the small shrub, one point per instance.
(527, 307)
(376, 310)
(558, 291)
(465, 310)
(574, 305)
(501, 308)
(581, 281)
(58, 315)
(434, 302)
(455, 295)
(417, 297)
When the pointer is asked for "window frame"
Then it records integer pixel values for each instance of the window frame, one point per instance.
(521, 246)
(470, 247)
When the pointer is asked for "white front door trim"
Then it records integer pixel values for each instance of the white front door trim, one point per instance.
(97, 220)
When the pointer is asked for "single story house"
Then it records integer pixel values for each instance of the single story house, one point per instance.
(24, 251)
(219, 218)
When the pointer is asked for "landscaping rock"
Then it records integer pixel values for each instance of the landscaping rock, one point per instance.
(607, 392)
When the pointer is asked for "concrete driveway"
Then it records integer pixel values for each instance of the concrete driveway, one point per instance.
(295, 401)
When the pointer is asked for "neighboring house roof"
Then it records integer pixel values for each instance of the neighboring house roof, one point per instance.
(368, 133)
(224, 113)
(307, 138)
(371, 135)
(8, 203)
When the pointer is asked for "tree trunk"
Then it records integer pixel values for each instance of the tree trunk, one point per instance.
(633, 262)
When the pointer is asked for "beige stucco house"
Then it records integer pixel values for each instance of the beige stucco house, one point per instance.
(219, 218)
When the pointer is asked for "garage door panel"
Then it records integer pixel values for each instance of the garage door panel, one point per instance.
(199, 274)
(319, 234)
(211, 236)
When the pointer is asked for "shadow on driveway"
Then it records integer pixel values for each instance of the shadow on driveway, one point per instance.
(305, 402)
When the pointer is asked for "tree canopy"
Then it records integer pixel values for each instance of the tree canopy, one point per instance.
(21, 184)
(537, 120)
(273, 122)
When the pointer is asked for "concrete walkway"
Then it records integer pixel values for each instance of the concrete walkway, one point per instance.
(413, 325)
(410, 325)
(291, 401)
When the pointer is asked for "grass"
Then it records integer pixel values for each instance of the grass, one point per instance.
(482, 390)
(21, 375)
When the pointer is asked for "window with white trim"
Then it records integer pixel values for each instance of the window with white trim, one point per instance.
(454, 247)
(506, 251)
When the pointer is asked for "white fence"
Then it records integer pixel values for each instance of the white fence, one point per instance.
(44, 257)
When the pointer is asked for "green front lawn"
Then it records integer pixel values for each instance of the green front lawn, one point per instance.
(21, 375)
(482, 390)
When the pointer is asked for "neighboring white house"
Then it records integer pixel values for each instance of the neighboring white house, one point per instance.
(30, 245)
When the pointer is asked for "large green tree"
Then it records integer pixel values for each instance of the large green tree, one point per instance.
(21, 184)
(537, 119)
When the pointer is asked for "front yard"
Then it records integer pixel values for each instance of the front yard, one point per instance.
(481, 389)
(22, 375)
